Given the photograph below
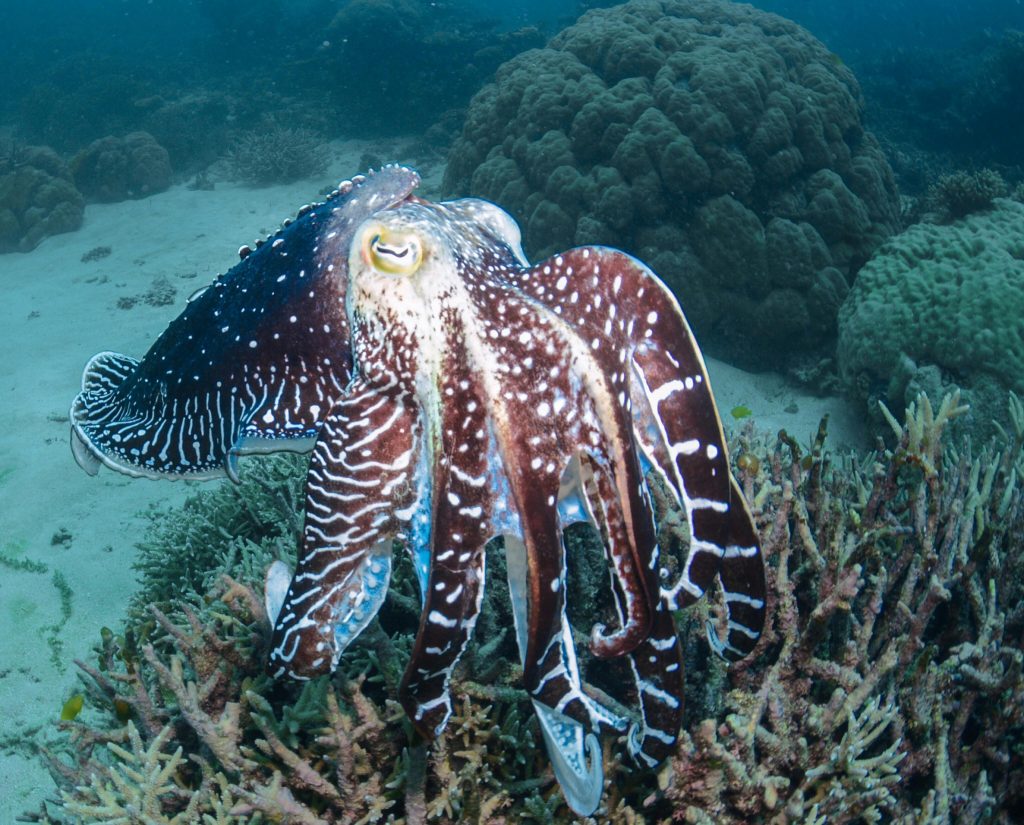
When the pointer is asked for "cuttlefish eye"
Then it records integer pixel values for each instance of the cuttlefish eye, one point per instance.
(392, 251)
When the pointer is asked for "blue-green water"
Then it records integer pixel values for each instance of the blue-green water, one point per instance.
(836, 208)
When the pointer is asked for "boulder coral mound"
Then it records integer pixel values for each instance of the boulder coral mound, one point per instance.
(115, 169)
(37, 197)
(721, 144)
(940, 305)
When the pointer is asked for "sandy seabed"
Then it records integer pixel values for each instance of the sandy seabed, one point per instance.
(58, 310)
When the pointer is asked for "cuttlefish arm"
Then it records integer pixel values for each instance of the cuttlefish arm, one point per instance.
(360, 495)
(615, 298)
(455, 520)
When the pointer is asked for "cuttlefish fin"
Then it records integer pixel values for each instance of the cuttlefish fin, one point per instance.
(102, 376)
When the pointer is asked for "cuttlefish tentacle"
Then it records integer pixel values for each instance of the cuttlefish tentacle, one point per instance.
(675, 422)
(358, 495)
(621, 511)
(677, 425)
(450, 611)
(591, 409)
(656, 663)
(571, 743)
(551, 672)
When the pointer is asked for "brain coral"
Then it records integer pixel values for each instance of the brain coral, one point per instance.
(941, 304)
(721, 144)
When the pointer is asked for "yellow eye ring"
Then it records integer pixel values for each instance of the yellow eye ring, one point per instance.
(391, 251)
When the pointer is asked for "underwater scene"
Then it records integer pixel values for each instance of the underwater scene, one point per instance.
(530, 412)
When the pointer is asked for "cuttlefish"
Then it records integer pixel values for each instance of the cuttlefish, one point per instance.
(453, 393)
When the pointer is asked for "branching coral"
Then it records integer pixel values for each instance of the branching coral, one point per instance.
(204, 734)
(139, 784)
(277, 155)
(961, 193)
(237, 528)
(888, 687)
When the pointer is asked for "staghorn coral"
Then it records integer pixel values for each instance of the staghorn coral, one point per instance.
(193, 729)
(961, 193)
(888, 686)
(275, 155)
(138, 784)
(721, 144)
(254, 750)
(204, 740)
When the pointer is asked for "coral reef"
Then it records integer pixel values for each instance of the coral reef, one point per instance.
(721, 144)
(433, 58)
(888, 686)
(115, 169)
(940, 305)
(276, 155)
(37, 197)
(960, 193)
(80, 96)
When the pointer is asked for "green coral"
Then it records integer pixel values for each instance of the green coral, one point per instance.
(720, 144)
(234, 527)
(940, 305)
